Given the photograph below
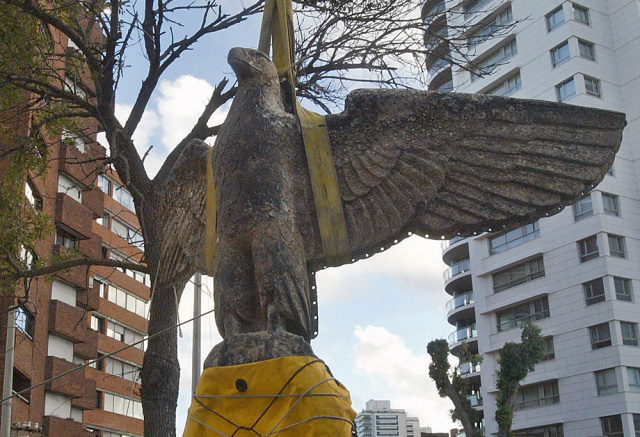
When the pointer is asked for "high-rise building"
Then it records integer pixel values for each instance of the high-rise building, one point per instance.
(80, 314)
(378, 419)
(577, 274)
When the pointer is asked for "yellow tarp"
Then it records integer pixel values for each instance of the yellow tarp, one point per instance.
(283, 397)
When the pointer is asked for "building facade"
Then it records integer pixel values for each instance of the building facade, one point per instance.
(378, 419)
(82, 314)
(577, 274)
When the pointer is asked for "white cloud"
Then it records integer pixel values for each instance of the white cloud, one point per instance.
(415, 263)
(403, 377)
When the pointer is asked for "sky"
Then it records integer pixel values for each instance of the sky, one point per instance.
(376, 316)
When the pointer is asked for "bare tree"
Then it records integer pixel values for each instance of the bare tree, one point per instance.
(78, 53)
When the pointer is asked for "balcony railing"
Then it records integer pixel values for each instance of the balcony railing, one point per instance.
(463, 334)
(468, 367)
(434, 12)
(460, 301)
(446, 243)
(440, 64)
(446, 87)
(475, 399)
(457, 268)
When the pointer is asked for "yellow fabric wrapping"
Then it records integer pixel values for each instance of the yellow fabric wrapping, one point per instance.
(283, 397)
(210, 216)
(277, 24)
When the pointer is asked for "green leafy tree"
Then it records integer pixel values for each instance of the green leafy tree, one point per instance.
(450, 383)
(516, 361)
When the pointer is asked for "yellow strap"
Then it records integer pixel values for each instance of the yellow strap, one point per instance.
(278, 24)
(210, 216)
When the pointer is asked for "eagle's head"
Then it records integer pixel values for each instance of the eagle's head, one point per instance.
(251, 65)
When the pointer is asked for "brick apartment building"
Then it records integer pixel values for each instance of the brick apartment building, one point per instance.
(81, 314)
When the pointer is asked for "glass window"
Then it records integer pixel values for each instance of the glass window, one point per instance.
(555, 19)
(616, 246)
(612, 426)
(592, 86)
(495, 59)
(518, 315)
(634, 379)
(66, 239)
(105, 184)
(123, 197)
(97, 323)
(32, 195)
(583, 208)
(594, 291)
(629, 333)
(623, 288)
(606, 382)
(588, 248)
(566, 90)
(580, 13)
(518, 274)
(513, 238)
(98, 363)
(636, 424)
(560, 54)
(610, 204)
(508, 87)
(537, 395)
(587, 50)
(600, 336)
(25, 321)
(491, 28)
(69, 187)
(549, 352)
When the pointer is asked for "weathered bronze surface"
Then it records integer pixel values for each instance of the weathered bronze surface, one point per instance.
(429, 163)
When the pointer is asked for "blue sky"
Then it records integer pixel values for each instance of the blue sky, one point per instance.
(376, 316)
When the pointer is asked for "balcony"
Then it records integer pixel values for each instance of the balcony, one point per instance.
(73, 215)
(475, 399)
(74, 385)
(77, 164)
(94, 200)
(457, 269)
(67, 321)
(460, 301)
(431, 10)
(468, 367)
(55, 426)
(465, 333)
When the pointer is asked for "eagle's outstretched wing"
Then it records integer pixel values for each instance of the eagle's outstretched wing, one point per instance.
(444, 164)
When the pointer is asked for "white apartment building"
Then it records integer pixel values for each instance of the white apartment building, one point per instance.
(577, 274)
(379, 420)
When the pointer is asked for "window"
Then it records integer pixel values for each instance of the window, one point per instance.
(126, 335)
(616, 246)
(101, 285)
(606, 382)
(634, 380)
(105, 184)
(636, 424)
(126, 300)
(543, 431)
(566, 90)
(495, 59)
(491, 28)
(629, 333)
(21, 382)
(124, 231)
(69, 187)
(25, 321)
(581, 14)
(97, 323)
(123, 197)
(594, 291)
(555, 19)
(66, 239)
(104, 220)
(122, 369)
(623, 288)
(588, 248)
(34, 199)
(587, 50)
(122, 405)
(507, 87)
(592, 86)
(513, 238)
(537, 395)
(612, 426)
(600, 336)
(98, 363)
(518, 274)
(610, 204)
(548, 352)
(72, 86)
(560, 54)
(473, 6)
(74, 140)
(517, 316)
(583, 208)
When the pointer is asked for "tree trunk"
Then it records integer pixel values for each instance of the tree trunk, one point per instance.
(459, 407)
(161, 370)
(504, 429)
